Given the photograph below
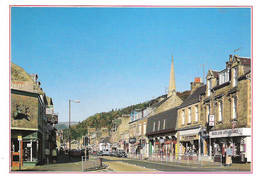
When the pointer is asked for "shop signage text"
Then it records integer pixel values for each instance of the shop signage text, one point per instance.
(189, 137)
(226, 133)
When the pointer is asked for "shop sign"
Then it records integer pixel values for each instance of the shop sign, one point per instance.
(189, 137)
(211, 120)
(19, 138)
(230, 132)
(132, 140)
(49, 110)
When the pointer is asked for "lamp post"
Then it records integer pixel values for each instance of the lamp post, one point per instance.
(76, 101)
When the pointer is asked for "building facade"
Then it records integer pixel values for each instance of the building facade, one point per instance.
(190, 124)
(227, 109)
(28, 118)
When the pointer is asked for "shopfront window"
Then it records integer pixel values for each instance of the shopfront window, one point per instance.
(29, 151)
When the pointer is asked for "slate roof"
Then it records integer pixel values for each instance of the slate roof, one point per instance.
(105, 140)
(170, 117)
(215, 73)
(194, 97)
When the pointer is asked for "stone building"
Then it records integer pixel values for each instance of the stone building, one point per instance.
(28, 118)
(226, 108)
(119, 133)
(161, 126)
(190, 124)
(137, 131)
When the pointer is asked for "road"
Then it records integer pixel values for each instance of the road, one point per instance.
(114, 164)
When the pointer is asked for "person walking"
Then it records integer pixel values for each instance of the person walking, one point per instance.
(229, 155)
(47, 154)
(54, 155)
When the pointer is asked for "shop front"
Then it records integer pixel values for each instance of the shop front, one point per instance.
(239, 139)
(190, 143)
(30, 144)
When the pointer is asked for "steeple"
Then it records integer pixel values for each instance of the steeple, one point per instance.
(172, 86)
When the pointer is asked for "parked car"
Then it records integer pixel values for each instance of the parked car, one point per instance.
(75, 153)
(121, 153)
(105, 152)
(113, 153)
(99, 153)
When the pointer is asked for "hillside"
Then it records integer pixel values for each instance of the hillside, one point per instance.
(104, 119)
(64, 125)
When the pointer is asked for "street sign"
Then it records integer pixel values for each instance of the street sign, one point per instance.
(19, 138)
(211, 120)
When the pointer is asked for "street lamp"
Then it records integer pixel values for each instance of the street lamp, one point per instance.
(76, 101)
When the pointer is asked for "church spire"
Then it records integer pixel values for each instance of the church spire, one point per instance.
(172, 86)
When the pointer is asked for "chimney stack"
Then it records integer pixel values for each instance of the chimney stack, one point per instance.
(230, 58)
(197, 83)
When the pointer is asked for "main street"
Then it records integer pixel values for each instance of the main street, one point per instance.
(114, 164)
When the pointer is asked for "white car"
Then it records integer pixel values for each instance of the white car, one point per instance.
(105, 152)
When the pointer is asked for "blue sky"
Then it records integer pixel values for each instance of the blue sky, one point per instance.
(115, 57)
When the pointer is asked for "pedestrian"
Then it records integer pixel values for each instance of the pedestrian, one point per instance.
(229, 155)
(47, 154)
(54, 155)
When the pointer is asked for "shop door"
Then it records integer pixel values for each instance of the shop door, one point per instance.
(15, 153)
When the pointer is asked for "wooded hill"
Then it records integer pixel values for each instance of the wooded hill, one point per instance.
(104, 119)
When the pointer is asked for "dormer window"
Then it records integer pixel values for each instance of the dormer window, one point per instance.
(235, 75)
(224, 76)
(209, 86)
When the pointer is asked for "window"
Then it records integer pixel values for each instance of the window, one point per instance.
(235, 77)
(196, 114)
(209, 87)
(189, 111)
(153, 126)
(144, 129)
(183, 116)
(220, 110)
(224, 76)
(158, 125)
(164, 123)
(234, 107)
(208, 112)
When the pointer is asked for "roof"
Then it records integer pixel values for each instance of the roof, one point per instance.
(20, 76)
(105, 140)
(215, 73)
(159, 103)
(170, 117)
(194, 97)
(245, 60)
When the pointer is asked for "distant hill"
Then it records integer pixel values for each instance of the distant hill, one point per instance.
(104, 119)
(64, 125)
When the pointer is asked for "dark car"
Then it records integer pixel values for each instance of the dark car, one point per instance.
(75, 153)
(113, 153)
(121, 154)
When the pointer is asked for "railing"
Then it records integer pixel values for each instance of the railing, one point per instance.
(180, 159)
(91, 163)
